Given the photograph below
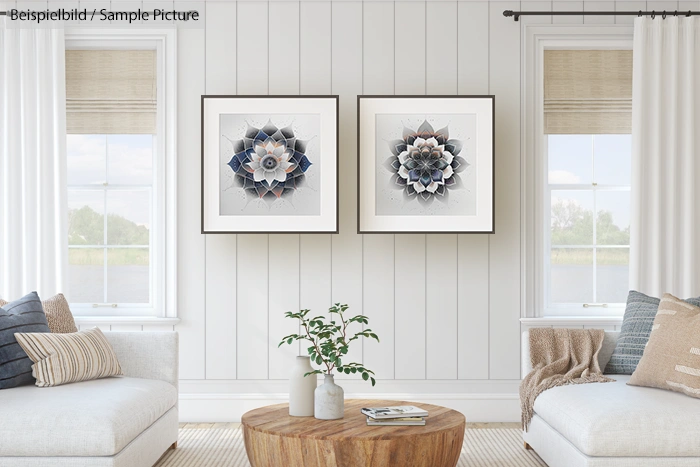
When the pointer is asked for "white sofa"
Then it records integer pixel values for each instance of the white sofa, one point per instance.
(612, 424)
(127, 421)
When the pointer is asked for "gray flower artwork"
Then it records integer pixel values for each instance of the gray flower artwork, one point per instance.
(269, 164)
(425, 165)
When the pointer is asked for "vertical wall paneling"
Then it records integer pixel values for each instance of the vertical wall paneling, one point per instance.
(472, 250)
(346, 41)
(252, 306)
(253, 250)
(316, 42)
(441, 250)
(410, 48)
(409, 250)
(221, 259)
(252, 47)
(628, 6)
(598, 6)
(567, 6)
(441, 311)
(316, 260)
(190, 248)
(378, 252)
(441, 58)
(283, 260)
(410, 305)
(504, 249)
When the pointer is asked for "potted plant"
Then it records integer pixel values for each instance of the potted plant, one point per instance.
(330, 341)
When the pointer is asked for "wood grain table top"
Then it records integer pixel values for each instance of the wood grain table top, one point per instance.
(275, 419)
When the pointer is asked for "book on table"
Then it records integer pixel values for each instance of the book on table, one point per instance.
(407, 421)
(400, 411)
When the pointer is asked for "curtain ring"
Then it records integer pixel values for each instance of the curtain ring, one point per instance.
(675, 13)
(664, 15)
(653, 14)
(640, 14)
(688, 15)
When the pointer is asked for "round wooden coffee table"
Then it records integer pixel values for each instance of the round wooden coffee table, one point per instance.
(273, 438)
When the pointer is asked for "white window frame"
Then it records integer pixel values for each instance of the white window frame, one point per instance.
(163, 247)
(534, 175)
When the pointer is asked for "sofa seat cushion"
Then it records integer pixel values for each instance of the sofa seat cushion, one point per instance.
(614, 419)
(90, 418)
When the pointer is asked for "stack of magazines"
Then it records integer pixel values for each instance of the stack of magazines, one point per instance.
(403, 415)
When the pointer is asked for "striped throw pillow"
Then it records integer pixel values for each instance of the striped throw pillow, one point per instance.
(58, 313)
(69, 358)
(671, 359)
(23, 315)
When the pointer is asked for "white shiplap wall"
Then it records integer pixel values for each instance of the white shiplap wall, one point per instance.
(447, 307)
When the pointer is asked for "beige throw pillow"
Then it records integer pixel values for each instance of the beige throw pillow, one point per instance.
(671, 358)
(68, 358)
(57, 312)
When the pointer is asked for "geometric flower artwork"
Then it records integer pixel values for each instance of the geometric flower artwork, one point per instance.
(269, 164)
(426, 164)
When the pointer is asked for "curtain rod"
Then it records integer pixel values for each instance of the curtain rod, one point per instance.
(517, 14)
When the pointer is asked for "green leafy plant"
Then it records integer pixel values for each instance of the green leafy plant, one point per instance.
(330, 340)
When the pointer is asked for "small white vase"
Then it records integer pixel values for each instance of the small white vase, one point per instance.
(329, 401)
(301, 389)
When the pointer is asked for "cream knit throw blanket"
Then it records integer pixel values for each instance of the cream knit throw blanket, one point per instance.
(560, 357)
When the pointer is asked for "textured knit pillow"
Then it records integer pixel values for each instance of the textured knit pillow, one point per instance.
(58, 314)
(68, 358)
(672, 357)
(634, 335)
(23, 315)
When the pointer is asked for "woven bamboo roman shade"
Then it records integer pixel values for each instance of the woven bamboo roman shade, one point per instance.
(587, 91)
(111, 91)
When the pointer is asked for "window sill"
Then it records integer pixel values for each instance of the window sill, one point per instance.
(572, 321)
(126, 320)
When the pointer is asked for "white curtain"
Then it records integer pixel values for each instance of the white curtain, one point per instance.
(33, 205)
(665, 228)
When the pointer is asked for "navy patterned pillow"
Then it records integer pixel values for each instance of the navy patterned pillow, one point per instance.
(636, 326)
(23, 315)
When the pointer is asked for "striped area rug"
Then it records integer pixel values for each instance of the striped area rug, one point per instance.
(223, 447)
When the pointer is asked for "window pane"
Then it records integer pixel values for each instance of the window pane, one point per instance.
(572, 217)
(128, 275)
(571, 275)
(85, 217)
(570, 159)
(130, 159)
(613, 159)
(612, 274)
(86, 159)
(129, 217)
(86, 275)
(613, 219)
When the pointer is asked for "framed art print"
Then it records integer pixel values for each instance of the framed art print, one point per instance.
(425, 164)
(269, 164)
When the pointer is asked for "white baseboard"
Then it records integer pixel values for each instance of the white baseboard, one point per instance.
(229, 407)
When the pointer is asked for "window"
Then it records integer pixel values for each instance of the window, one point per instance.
(110, 219)
(588, 196)
(577, 171)
(120, 158)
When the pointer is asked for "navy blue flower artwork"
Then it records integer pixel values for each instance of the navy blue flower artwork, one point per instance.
(426, 163)
(269, 163)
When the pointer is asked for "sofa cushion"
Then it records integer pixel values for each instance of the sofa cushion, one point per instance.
(22, 315)
(90, 418)
(614, 419)
(636, 326)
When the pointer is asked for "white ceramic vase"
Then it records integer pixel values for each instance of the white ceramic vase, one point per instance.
(329, 401)
(301, 389)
